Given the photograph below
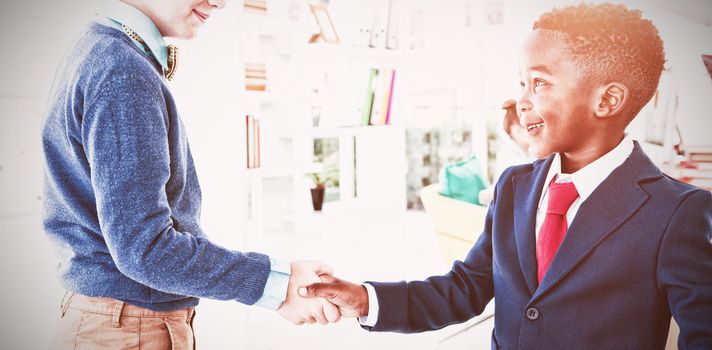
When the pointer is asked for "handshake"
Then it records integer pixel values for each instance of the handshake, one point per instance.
(314, 295)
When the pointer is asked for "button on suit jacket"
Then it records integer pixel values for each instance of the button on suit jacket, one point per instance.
(638, 252)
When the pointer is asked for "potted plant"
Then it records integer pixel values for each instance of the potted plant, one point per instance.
(321, 180)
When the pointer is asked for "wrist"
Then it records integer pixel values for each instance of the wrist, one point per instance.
(363, 305)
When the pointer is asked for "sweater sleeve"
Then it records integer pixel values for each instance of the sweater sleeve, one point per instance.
(125, 138)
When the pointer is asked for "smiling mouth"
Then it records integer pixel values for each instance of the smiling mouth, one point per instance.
(532, 127)
(202, 16)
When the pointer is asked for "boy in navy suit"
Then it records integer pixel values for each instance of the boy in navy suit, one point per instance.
(589, 247)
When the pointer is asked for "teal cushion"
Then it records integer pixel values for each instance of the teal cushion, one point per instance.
(463, 180)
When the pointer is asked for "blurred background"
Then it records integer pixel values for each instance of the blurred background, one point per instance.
(372, 98)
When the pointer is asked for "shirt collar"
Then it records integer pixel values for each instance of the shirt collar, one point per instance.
(589, 177)
(137, 21)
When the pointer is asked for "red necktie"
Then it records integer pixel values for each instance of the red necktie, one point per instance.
(553, 230)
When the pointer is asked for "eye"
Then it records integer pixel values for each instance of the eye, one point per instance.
(538, 83)
(522, 84)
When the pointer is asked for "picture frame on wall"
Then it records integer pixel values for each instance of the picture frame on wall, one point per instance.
(327, 32)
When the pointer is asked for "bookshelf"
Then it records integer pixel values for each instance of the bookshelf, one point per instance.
(315, 94)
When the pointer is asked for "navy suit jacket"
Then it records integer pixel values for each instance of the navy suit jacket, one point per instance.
(638, 252)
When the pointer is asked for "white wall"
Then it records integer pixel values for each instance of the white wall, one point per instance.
(34, 34)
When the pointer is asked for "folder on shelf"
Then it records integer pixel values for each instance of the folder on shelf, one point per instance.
(379, 27)
(392, 26)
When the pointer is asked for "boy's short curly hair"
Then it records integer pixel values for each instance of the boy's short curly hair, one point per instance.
(611, 43)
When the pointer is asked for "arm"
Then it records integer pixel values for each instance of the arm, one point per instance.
(125, 139)
(439, 301)
(410, 307)
(685, 270)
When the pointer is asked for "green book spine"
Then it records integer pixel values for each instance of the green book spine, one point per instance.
(368, 101)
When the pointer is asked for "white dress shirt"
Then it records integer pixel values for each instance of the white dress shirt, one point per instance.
(586, 180)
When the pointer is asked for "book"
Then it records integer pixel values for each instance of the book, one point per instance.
(390, 97)
(686, 164)
(255, 81)
(255, 67)
(379, 91)
(256, 6)
(252, 140)
(256, 74)
(701, 183)
(255, 86)
(368, 98)
(382, 98)
(695, 173)
(697, 149)
(700, 157)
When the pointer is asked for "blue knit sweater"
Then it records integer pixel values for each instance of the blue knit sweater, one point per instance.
(122, 199)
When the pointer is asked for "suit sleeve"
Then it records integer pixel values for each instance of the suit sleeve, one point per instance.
(685, 270)
(439, 301)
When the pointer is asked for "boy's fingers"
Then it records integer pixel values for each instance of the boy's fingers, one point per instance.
(331, 312)
(321, 268)
(322, 290)
(328, 278)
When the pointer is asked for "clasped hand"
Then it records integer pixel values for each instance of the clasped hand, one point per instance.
(299, 310)
(315, 296)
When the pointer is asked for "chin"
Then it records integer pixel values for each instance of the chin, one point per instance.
(185, 33)
(540, 152)
(188, 33)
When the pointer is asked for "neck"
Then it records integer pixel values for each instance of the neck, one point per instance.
(144, 8)
(572, 162)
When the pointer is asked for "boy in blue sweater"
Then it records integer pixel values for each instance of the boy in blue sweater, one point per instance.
(122, 199)
(589, 247)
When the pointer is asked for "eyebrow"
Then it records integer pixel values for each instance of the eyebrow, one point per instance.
(541, 68)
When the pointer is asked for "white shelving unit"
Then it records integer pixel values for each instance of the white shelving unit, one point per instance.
(303, 79)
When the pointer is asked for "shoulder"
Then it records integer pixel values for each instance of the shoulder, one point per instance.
(682, 193)
(663, 191)
(108, 60)
(516, 170)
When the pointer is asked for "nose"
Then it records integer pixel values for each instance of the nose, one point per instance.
(217, 3)
(523, 104)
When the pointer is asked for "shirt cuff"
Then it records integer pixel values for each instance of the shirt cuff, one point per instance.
(276, 287)
(372, 317)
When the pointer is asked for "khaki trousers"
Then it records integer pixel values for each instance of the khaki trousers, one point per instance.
(103, 323)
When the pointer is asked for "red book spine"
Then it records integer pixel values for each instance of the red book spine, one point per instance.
(390, 97)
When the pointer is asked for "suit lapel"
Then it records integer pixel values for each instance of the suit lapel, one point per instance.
(527, 189)
(610, 205)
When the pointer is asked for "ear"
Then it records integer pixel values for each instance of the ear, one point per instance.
(610, 100)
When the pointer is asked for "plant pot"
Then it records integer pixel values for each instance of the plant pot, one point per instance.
(317, 195)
